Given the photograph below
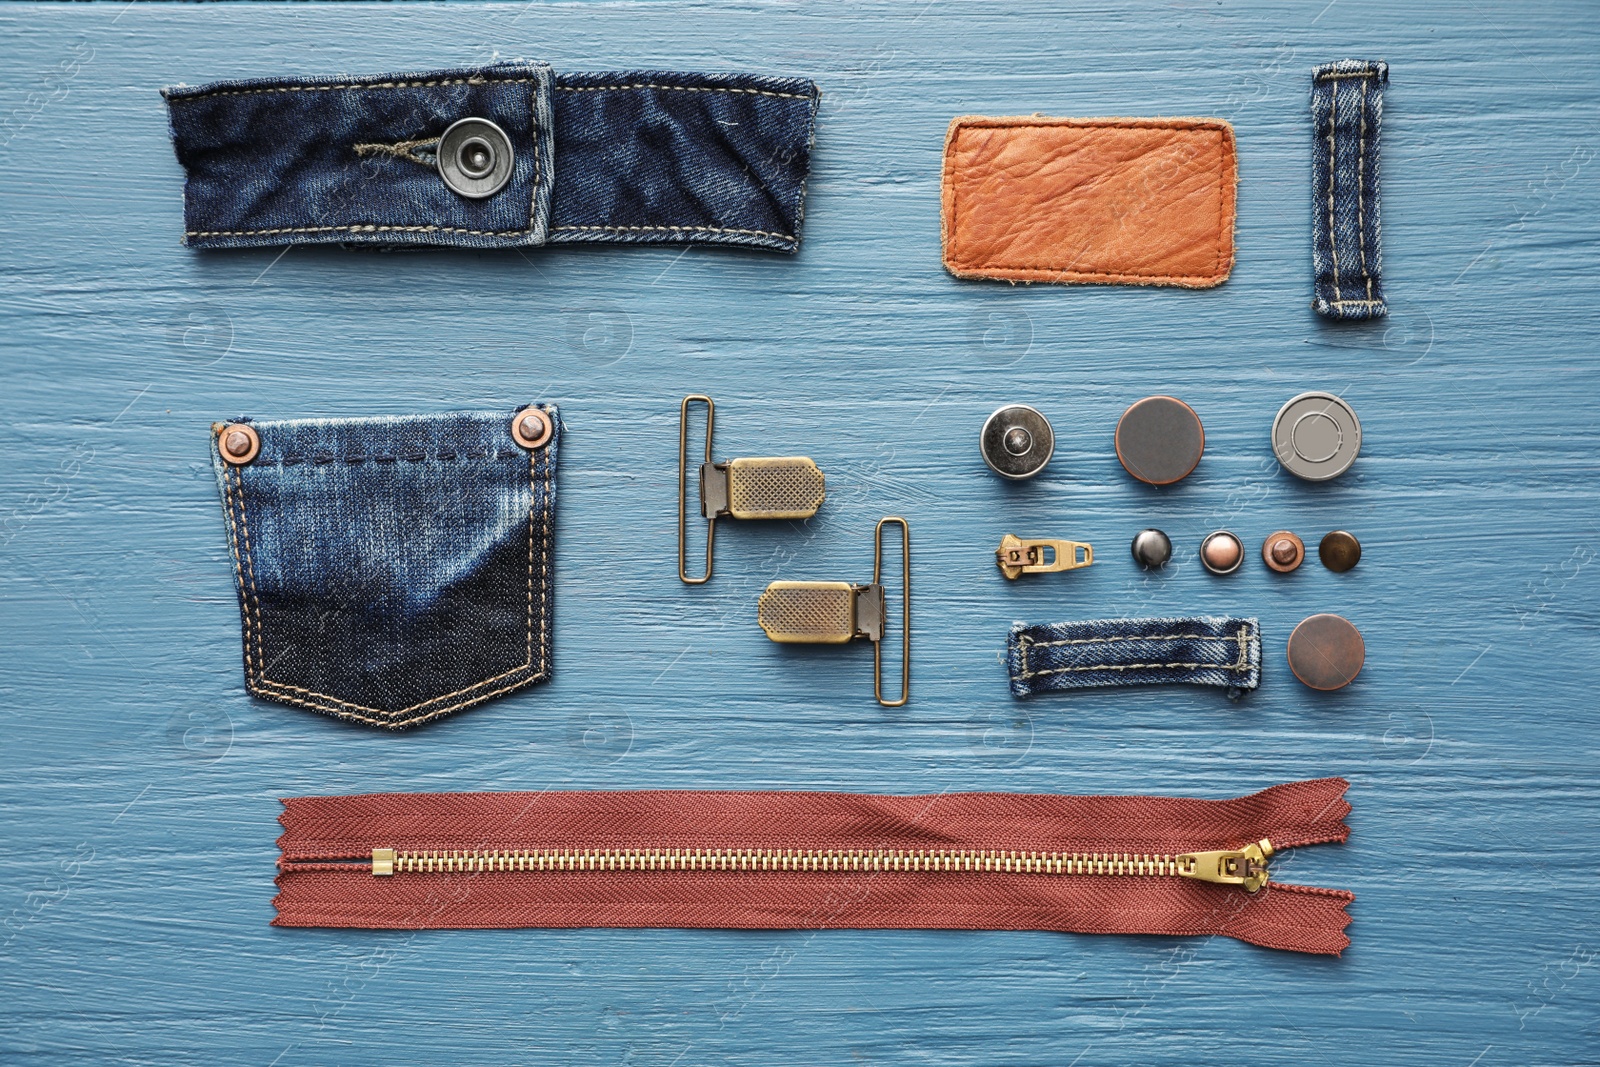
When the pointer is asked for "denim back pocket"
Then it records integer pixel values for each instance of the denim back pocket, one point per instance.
(391, 570)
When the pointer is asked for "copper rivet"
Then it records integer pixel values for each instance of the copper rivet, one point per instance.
(1221, 552)
(1339, 551)
(238, 443)
(531, 427)
(1326, 652)
(1283, 551)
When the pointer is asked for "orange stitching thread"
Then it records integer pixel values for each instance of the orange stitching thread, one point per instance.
(387, 718)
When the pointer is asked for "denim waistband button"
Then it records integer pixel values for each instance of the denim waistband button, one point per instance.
(531, 428)
(1326, 652)
(1316, 436)
(1339, 551)
(238, 444)
(1159, 440)
(1017, 442)
(475, 158)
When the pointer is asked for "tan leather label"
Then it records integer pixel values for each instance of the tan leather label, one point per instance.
(1108, 201)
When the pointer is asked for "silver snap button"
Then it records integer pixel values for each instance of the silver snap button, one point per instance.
(475, 158)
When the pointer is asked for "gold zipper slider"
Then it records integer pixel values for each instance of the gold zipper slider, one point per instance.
(1016, 556)
(383, 861)
(1245, 867)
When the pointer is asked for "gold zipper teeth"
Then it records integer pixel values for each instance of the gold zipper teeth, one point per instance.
(712, 859)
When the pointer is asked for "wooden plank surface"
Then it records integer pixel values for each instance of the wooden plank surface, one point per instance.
(140, 781)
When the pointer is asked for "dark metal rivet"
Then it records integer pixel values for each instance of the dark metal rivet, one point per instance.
(1017, 442)
(1152, 548)
(1326, 652)
(1221, 552)
(1316, 436)
(1339, 551)
(531, 427)
(1159, 440)
(238, 444)
(475, 158)
(1283, 551)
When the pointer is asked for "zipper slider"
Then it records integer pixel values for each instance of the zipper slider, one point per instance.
(1245, 867)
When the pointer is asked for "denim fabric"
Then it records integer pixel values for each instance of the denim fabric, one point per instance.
(392, 570)
(1346, 111)
(628, 156)
(1201, 650)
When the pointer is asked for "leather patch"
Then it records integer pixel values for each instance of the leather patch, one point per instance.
(1107, 201)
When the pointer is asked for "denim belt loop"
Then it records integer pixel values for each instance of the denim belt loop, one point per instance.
(631, 156)
(1198, 650)
(1346, 111)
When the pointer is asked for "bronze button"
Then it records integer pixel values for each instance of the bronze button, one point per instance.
(1339, 551)
(1222, 552)
(531, 428)
(1159, 440)
(1326, 652)
(1283, 551)
(238, 443)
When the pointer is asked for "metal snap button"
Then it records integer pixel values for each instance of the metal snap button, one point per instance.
(238, 443)
(1017, 442)
(475, 158)
(1339, 551)
(1222, 552)
(1326, 652)
(531, 428)
(1283, 551)
(1316, 436)
(1152, 548)
(1159, 440)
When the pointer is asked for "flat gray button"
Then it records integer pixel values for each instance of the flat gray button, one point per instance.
(1017, 442)
(1316, 436)
(475, 158)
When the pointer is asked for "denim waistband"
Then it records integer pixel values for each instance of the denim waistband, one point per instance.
(630, 156)
(1197, 650)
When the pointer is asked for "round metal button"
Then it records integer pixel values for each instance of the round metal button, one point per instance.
(475, 158)
(531, 427)
(1339, 551)
(1316, 436)
(1152, 548)
(238, 443)
(1221, 552)
(1283, 551)
(1017, 441)
(1326, 652)
(1159, 440)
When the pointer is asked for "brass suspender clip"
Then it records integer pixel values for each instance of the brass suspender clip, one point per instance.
(786, 487)
(832, 613)
(1017, 557)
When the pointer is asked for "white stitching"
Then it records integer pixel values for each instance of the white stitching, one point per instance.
(476, 80)
(681, 88)
(1242, 664)
(1106, 640)
(359, 227)
(678, 229)
(1361, 191)
(1333, 244)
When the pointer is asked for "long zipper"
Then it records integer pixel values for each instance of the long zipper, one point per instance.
(774, 860)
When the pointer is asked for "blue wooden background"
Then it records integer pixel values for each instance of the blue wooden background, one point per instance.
(140, 782)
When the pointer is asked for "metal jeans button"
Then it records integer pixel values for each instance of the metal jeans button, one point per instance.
(475, 158)
(1017, 442)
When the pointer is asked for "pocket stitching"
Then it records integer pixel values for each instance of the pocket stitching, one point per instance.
(257, 681)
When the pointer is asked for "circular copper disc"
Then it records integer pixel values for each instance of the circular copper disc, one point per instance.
(1339, 551)
(531, 427)
(1159, 440)
(1326, 652)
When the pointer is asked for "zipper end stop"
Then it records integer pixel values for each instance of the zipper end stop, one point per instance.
(382, 861)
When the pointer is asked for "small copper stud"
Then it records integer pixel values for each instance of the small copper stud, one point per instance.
(1221, 552)
(238, 443)
(531, 428)
(1283, 551)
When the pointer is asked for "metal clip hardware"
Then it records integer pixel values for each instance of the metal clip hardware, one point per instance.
(1017, 557)
(833, 613)
(1245, 867)
(785, 487)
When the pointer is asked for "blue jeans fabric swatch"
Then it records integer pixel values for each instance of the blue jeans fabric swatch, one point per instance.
(392, 570)
(1200, 650)
(629, 156)
(1346, 112)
